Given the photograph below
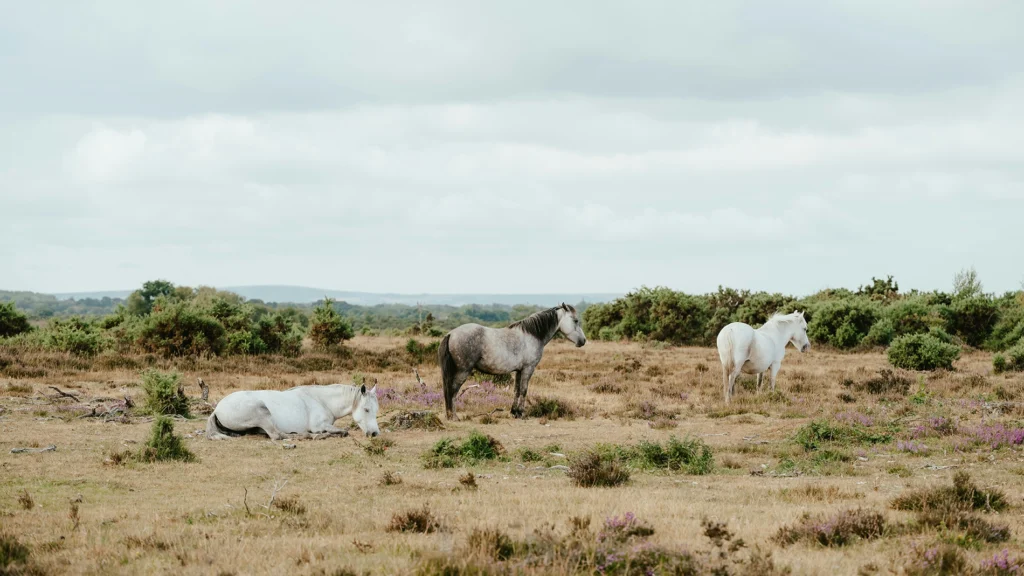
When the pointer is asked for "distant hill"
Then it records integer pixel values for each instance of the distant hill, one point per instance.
(304, 295)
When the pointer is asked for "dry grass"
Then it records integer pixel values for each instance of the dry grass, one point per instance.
(763, 481)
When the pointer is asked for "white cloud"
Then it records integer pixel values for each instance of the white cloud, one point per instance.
(474, 147)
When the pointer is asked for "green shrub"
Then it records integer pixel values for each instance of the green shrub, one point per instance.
(163, 444)
(75, 335)
(911, 316)
(819, 433)
(449, 453)
(922, 352)
(328, 328)
(972, 319)
(1010, 361)
(164, 393)
(178, 329)
(12, 322)
(964, 494)
(881, 333)
(421, 352)
(1009, 328)
(842, 323)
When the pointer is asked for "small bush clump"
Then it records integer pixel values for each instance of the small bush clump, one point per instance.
(690, 455)
(922, 352)
(449, 453)
(1010, 361)
(12, 554)
(841, 529)
(378, 446)
(595, 468)
(165, 394)
(962, 495)
(163, 444)
(422, 521)
(390, 479)
(821, 432)
(550, 408)
(887, 382)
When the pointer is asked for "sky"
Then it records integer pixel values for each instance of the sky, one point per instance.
(511, 147)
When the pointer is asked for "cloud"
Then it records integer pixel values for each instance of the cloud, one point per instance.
(470, 147)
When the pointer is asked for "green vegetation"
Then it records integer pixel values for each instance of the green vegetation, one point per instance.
(164, 394)
(164, 444)
(922, 352)
(449, 453)
(689, 455)
(875, 315)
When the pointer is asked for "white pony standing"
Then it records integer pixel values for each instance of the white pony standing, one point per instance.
(300, 411)
(744, 349)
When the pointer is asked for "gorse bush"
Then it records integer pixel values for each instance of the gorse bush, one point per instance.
(449, 452)
(1011, 361)
(689, 455)
(922, 352)
(842, 323)
(164, 444)
(327, 328)
(12, 322)
(77, 336)
(164, 393)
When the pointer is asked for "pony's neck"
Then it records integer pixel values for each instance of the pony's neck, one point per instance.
(780, 330)
(554, 330)
(340, 399)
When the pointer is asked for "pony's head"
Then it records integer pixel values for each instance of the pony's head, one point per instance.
(569, 325)
(799, 339)
(365, 412)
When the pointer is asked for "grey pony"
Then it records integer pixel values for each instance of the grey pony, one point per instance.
(517, 348)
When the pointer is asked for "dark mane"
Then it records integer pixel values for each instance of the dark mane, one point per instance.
(540, 325)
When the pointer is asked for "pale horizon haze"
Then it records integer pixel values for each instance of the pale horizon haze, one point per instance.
(511, 147)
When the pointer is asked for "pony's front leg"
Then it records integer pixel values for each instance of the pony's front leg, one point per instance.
(517, 411)
(523, 380)
(775, 371)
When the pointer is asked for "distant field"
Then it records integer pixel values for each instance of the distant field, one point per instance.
(890, 437)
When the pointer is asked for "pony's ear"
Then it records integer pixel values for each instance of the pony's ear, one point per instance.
(362, 389)
(565, 307)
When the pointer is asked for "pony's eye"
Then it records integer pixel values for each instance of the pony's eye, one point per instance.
(367, 410)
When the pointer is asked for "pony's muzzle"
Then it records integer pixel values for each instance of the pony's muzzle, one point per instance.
(372, 434)
(806, 347)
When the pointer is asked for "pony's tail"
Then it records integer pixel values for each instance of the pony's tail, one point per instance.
(448, 369)
(726, 349)
(214, 431)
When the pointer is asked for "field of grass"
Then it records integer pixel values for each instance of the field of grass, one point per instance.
(837, 435)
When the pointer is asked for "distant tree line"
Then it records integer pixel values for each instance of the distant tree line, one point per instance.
(170, 320)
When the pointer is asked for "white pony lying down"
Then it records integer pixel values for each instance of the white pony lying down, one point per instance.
(301, 411)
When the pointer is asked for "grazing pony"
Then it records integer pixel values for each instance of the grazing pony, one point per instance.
(300, 412)
(743, 349)
(517, 348)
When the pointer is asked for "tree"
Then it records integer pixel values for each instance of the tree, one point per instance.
(140, 302)
(884, 290)
(966, 284)
(12, 322)
(328, 328)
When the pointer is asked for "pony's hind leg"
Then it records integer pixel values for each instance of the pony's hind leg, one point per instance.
(451, 393)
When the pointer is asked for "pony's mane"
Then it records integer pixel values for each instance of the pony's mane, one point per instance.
(539, 325)
(780, 318)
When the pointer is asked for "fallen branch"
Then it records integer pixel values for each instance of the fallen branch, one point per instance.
(467, 388)
(50, 448)
(418, 379)
(63, 394)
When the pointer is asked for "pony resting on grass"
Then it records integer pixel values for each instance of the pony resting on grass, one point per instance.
(297, 412)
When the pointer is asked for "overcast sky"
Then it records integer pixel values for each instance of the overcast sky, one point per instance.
(571, 146)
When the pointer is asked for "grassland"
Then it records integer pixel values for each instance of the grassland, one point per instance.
(836, 435)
